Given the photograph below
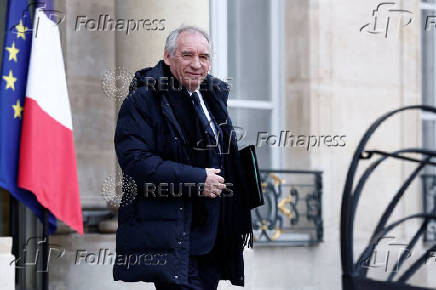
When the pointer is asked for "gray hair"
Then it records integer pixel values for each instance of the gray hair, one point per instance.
(170, 44)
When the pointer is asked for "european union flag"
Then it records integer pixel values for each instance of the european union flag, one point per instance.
(15, 62)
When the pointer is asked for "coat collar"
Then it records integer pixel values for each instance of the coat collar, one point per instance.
(160, 80)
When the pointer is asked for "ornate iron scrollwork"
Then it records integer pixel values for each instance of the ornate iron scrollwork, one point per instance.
(284, 219)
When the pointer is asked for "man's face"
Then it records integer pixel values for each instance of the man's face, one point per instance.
(191, 61)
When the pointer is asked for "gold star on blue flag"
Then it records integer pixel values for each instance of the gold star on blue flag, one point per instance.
(13, 52)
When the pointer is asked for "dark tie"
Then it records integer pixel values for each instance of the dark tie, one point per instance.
(204, 123)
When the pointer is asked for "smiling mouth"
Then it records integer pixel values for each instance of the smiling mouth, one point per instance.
(194, 74)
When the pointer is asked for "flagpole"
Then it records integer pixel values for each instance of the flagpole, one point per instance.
(45, 250)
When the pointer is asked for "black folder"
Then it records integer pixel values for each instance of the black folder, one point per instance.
(251, 176)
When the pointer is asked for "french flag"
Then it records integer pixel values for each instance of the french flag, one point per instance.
(47, 165)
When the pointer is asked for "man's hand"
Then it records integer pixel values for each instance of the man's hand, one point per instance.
(214, 183)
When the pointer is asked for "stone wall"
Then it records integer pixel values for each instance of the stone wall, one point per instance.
(338, 81)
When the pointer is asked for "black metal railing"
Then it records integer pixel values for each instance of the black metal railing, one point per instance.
(292, 213)
(363, 166)
(428, 204)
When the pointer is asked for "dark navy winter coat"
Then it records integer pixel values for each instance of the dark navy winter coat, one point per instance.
(152, 240)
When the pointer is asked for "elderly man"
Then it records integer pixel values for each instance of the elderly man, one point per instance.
(187, 227)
